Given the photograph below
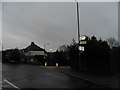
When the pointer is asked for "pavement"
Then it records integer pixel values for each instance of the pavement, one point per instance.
(110, 81)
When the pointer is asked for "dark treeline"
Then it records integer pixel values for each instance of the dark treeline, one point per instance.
(11, 55)
(59, 57)
(98, 55)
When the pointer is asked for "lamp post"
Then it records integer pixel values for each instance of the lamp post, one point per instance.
(51, 57)
(44, 48)
(78, 28)
(44, 52)
(45, 45)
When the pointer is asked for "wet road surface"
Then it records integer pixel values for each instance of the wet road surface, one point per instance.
(30, 76)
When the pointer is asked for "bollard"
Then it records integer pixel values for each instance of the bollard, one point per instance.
(45, 63)
(56, 64)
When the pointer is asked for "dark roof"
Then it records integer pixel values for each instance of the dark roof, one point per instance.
(9, 49)
(33, 47)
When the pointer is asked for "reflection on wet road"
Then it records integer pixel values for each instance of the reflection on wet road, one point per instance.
(30, 76)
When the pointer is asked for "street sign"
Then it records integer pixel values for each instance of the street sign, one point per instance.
(81, 48)
(83, 42)
(82, 37)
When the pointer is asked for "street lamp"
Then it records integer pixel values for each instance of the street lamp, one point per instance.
(50, 50)
(44, 48)
(45, 45)
(44, 52)
(51, 57)
(77, 6)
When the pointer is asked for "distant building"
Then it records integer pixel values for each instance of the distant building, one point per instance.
(30, 54)
(33, 50)
(33, 54)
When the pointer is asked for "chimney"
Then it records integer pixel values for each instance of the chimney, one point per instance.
(32, 43)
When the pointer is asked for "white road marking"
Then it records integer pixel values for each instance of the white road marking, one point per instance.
(12, 84)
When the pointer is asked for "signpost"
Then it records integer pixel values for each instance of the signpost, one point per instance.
(83, 42)
(82, 37)
(81, 48)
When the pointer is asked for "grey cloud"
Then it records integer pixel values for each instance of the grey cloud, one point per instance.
(55, 22)
(100, 19)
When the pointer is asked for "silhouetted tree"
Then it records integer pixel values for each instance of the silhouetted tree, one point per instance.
(16, 56)
(74, 55)
(96, 56)
(4, 58)
(63, 48)
(61, 57)
(115, 58)
(112, 42)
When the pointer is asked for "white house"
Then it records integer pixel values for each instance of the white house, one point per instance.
(33, 50)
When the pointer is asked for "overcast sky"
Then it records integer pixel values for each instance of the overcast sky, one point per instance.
(55, 22)
(0, 25)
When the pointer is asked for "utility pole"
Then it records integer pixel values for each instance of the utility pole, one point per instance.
(50, 57)
(78, 21)
(78, 27)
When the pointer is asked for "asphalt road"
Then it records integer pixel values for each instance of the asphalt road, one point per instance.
(30, 76)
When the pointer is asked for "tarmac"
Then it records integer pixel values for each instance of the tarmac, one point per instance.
(110, 81)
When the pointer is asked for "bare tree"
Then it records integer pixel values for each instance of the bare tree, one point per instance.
(112, 42)
(63, 48)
